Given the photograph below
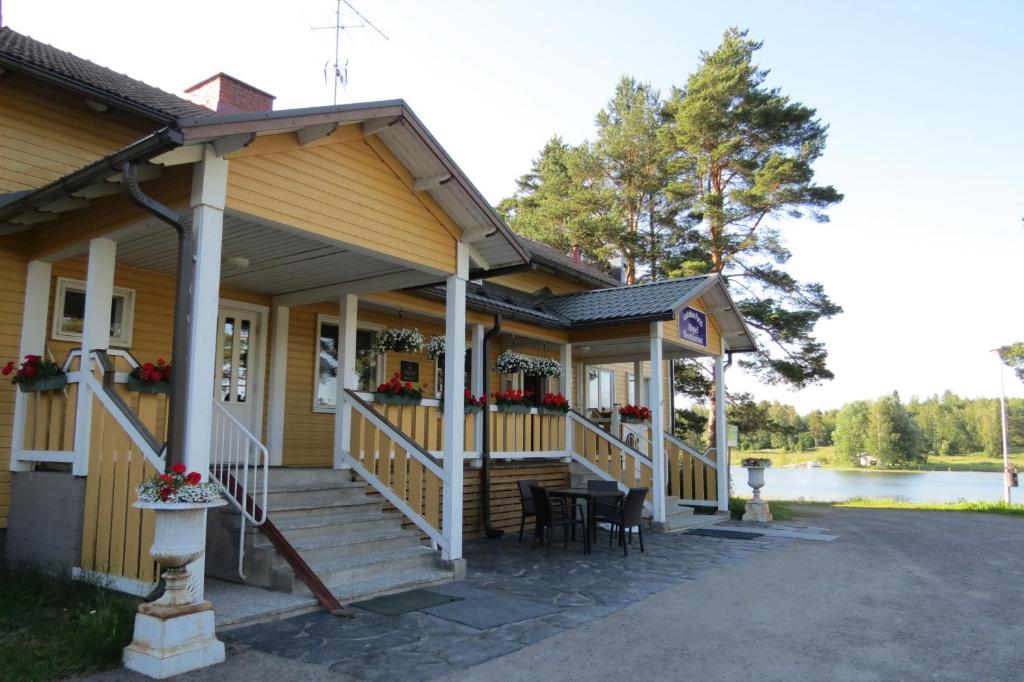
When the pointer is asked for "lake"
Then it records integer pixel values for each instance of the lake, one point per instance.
(832, 485)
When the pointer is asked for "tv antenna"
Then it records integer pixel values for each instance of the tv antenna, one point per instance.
(340, 71)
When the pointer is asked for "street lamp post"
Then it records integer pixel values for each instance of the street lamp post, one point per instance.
(1006, 440)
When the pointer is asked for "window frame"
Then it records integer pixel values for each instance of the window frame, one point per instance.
(65, 284)
(321, 318)
(611, 388)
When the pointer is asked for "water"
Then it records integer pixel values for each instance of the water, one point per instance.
(832, 485)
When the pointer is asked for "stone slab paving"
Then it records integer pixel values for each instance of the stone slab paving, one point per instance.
(514, 596)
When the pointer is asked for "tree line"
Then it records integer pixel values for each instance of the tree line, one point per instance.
(897, 434)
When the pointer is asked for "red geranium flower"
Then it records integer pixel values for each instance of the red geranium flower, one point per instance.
(8, 368)
(178, 468)
(31, 371)
(193, 478)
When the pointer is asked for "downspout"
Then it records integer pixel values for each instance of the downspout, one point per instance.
(485, 447)
(180, 354)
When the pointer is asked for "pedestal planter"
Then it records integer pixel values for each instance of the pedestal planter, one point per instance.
(756, 508)
(519, 409)
(389, 399)
(52, 383)
(140, 386)
(175, 634)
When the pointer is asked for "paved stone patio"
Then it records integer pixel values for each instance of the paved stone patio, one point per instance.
(513, 596)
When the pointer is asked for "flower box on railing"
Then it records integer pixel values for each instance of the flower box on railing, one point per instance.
(552, 411)
(140, 386)
(52, 383)
(632, 420)
(389, 399)
(515, 409)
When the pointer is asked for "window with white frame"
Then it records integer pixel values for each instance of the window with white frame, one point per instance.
(370, 365)
(645, 390)
(69, 313)
(600, 393)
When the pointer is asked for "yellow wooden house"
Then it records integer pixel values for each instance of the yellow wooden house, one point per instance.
(264, 254)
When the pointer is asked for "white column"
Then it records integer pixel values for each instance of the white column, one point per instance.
(721, 434)
(33, 342)
(348, 316)
(476, 384)
(657, 425)
(454, 424)
(99, 297)
(565, 387)
(209, 188)
(638, 384)
(278, 384)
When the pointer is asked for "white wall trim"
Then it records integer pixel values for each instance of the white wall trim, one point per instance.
(280, 320)
(656, 404)
(33, 340)
(345, 378)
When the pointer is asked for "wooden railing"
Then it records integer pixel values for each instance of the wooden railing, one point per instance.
(529, 434)
(422, 423)
(395, 463)
(692, 475)
(610, 457)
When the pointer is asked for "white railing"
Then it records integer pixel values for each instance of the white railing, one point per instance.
(683, 445)
(239, 463)
(613, 460)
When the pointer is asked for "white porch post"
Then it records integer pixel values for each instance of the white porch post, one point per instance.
(454, 424)
(476, 385)
(33, 342)
(638, 384)
(348, 316)
(657, 425)
(278, 383)
(99, 296)
(565, 388)
(721, 433)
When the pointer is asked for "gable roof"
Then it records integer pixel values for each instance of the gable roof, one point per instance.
(20, 52)
(653, 300)
(553, 258)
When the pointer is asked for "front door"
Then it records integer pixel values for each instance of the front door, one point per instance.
(238, 380)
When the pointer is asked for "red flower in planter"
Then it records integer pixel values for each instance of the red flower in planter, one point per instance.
(167, 478)
(178, 468)
(165, 493)
(193, 478)
(30, 371)
(8, 368)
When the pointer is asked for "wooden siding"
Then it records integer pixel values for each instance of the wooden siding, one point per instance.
(506, 510)
(535, 280)
(671, 330)
(13, 266)
(343, 191)
(47, 132)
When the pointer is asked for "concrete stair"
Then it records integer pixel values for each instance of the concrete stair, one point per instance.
(355, 548)
(679, 517)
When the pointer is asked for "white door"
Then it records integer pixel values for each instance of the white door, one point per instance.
(238, 380)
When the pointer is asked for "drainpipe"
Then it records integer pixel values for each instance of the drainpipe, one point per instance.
(485, 447)
(180, 354)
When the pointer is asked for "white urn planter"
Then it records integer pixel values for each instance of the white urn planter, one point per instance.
(175, 634)
(756, 508)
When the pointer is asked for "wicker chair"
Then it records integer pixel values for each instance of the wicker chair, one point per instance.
(550, 516)
(630, 515)
(526, 500)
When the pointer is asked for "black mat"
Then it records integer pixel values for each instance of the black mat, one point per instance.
(405, 602)
(723, 533)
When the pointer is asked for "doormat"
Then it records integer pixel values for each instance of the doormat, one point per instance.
(405, 602)
(723, 533)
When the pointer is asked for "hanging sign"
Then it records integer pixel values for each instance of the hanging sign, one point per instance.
(693, 326)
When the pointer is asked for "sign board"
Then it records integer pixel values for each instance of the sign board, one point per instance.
(732, 435)
(410, 371)
(693, 326)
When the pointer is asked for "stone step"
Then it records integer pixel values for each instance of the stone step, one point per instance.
(282, 477)
(283, 499)
(392, 584)
(675, 524)
(330, 546)
(339, 572)
(311, 527)
(337, 508)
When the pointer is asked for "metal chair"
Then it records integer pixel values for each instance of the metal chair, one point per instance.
(604, 512)
(526, 500)
(550, 516)
(630, 514)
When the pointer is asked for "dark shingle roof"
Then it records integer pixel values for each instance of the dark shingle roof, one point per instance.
(624, 303)
(552, 256)
(494, 299)
(20, 50)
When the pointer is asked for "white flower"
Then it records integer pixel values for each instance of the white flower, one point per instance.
(398, 341)
(435, 349)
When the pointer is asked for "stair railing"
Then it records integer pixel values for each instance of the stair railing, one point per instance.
(609, 457)
(239, 463)
(693, 475)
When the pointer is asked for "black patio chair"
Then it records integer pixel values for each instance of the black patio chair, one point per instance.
(526, 500)
(604, 512)
(550, 516)
(630, 514)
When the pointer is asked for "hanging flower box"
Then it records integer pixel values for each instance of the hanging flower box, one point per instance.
(553, 404)
(543, 367)
(517, 409)
(514, 401)
(36, 375)
(395, 392)
(151, 377)
(511, 363)
(634, 414)
(398, 341)
(435, 349)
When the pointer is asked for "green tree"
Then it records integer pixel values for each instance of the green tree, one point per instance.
(891, 434)
(850, 435)
(1013, 357)
(820, 426)
(744, 155)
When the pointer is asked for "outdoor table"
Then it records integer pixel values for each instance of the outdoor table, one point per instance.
(590, 496)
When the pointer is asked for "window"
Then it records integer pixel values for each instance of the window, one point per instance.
(369, 365)
(69, 313)
(439, 374)
(631, 394)
(599, 390)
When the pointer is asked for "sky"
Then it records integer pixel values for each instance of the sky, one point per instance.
(924, 103)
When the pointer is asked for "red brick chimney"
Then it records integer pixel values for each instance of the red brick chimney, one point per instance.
(228, 95)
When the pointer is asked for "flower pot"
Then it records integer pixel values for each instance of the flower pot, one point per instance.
(631, 420)
(519, 409)
(388, 399)
(756, 509)
(551, 411)
(140, 386)
(179, 538)
(52, 383)
(755, 478)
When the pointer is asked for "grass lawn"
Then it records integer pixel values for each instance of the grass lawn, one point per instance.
(784, 510)
(52, 628)
(826, 456)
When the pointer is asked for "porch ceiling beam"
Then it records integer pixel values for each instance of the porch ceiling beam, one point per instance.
(390, 282)
(223, 146)
(98, 189)
(192, 153)
(313, 133)
(375, 125)
(432, 182)
(146, 171)
(65, 204)
(32, 218)
(475, 256)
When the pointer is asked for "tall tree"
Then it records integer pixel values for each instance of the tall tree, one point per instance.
(1013, 357)
(849, 436)
(745, 153)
